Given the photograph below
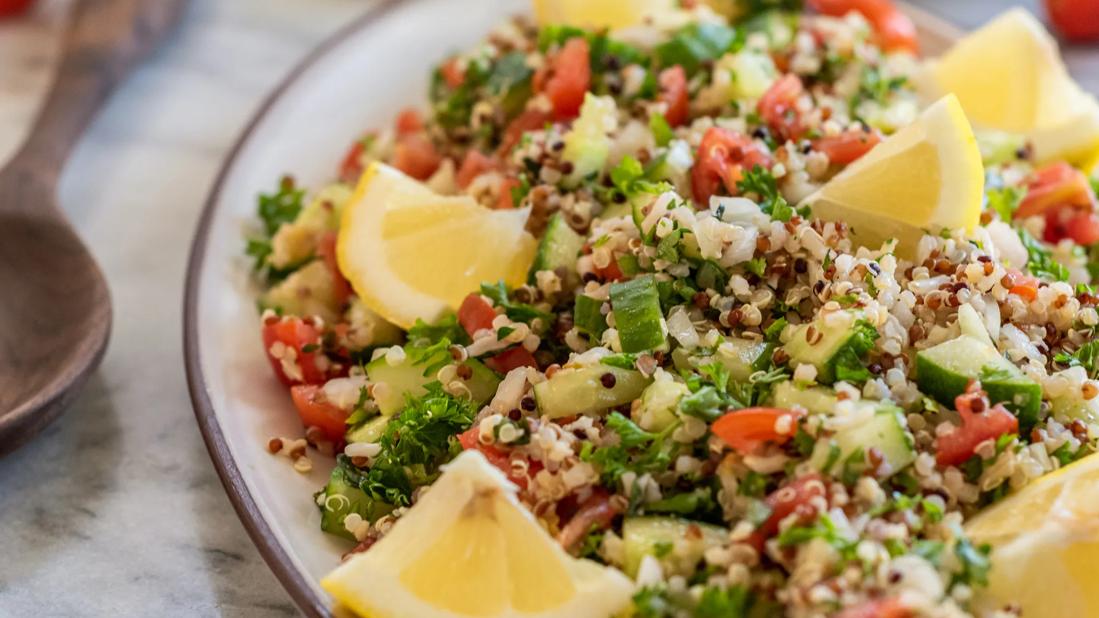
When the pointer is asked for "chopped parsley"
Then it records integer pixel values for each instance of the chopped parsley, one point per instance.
(1087, 356)
(760, 181)
(1040, 260)
(1004, 201)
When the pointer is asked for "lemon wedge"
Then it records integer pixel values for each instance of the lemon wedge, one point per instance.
(1045, 542)
(598, 13)
(410, 253)
(926, 176)
(469, 549)
(1009, 76)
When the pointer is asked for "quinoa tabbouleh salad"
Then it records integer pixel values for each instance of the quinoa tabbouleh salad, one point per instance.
(685, 309)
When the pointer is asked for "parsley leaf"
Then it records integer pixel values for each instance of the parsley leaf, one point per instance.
(415, 443)
(520, 312)
(447, 327)
(1040, 260)
(1004, 201)
(1087, 356)
(697, 43)
(760, 181)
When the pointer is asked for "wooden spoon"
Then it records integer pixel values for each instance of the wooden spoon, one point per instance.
(55, 310)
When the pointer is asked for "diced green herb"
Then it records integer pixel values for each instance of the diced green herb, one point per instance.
(1040, 260)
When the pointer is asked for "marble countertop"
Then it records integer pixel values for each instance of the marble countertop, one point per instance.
(116, 509)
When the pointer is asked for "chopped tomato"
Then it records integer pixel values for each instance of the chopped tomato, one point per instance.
(980, 421)
(315, 410)
(1057, 185)
(848, 146)
(798, 497)
(475, 314)
(673, 93)
(1023, 285)
(778, 107)
(529, 120)
(473, 165)
(500, 459)
(568, 78)
(326, 249)
(722, 158)
(595, 513)
(352, 165)
(610, 272)
(453, 73)
(1076, 19)
(416, 156)
(1083, 228)
(409, 121)
(511, 358)
(504, 201)
(748, 429)
(892, 28)
(295, 360)
(878, 608)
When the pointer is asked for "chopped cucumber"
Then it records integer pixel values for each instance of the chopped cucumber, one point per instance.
(308, 291)
(753, 73)
(558, 248)
(656, 536)
(297, 241)
(369, 430)
(658, 404)
(999, 146)
(637, 315)
(616, 209)
(1071, 403)
(342, 497)
(847, 450)
(944, 371)
(740, 357)
(407, 379)
(588, 317)
(832, 342)
(812, 399)
(584, 390)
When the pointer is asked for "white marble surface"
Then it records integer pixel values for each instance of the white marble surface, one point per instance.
(116, 510)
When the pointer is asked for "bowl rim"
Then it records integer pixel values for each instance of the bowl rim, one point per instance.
(274, 554)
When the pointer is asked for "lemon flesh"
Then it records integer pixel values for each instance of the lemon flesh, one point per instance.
(598, 13)
(1045, 542)
(926, 177)
(411, 254)
(468, 548)
(1009, 76)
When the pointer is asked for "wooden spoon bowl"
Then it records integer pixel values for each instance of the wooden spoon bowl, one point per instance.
(55, 309)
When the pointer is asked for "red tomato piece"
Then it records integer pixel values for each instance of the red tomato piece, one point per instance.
(878, 608)
(1076, 19)
(1057, 185)
(748, 429)
(499, 458)
(568, 78)
(316, 411)
(1083, 228)
(352, 165)
(778, 107)
(848, 146)
(673, 93)
(326, 249)
(295, 335)
(409, 121)
(529, 120)
(511, 358)
(595, 513)
(610, 272)
(980, 421)
(473, 165)
(416, 156)
(453, 73)
(504, 200)
(799, 496)
(722, 158)
(892, 28)
(475, 314)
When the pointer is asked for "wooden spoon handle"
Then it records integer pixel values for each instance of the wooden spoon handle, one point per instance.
(104, 40)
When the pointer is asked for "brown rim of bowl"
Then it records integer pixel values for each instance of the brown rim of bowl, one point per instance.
(301, 591)
(930, 26)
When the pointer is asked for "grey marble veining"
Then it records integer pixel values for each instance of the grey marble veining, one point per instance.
(116, 510)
